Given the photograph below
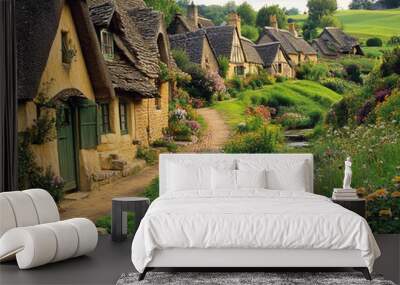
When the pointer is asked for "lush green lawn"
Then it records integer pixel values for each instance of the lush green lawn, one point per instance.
(364, 24)
(305, 95)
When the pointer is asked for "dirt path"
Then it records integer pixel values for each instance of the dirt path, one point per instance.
(217, 133)
(98, 203)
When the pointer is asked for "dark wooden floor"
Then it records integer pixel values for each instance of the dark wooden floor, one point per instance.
(110, 259)
(103, 266)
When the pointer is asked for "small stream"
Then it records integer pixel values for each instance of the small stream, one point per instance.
(297, 138)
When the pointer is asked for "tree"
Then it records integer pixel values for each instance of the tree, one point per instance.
(319, 8)
(265, 12)
(250, 32)
(293, 11)
(390, 4)
(247, 14)
(361, 4)
(330, 21)
(309, 30)
(217, 13)
(168, 7)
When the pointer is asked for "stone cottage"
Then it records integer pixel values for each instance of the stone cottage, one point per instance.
(225, 40)
(198, 48)
(63, 76)
(253, 62)
(274, 59)
(294, 47)
(333, 42)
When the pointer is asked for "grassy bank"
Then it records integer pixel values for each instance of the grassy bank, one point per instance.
(365, 24)
(306, 96)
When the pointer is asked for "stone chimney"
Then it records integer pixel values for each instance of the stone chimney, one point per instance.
(234, 20)
(292, 29)
(273, 22)
(193, 14)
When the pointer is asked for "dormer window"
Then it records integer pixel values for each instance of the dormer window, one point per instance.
(107, 44)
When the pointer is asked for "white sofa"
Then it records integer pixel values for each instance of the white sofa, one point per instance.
(31, 230)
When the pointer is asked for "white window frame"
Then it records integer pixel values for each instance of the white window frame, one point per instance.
(107, 48)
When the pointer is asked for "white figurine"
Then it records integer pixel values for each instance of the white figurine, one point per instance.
(347, 174)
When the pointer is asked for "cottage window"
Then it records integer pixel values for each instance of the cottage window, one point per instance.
(123, 118)
(280, 67)
(239, 70)
(107, 44)
(105, 118)
(64, 47)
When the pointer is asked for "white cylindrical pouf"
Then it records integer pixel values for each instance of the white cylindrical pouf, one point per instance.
(67, 240)
(87, 234)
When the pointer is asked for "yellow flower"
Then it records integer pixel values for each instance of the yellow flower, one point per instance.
(396, 194)
(381, 193)
(385, 213)
(396, 179)
(371, 197)
(361, 192)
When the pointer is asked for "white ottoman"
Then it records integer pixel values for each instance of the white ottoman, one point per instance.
(31, 232)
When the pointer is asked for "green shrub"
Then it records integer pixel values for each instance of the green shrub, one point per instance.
(223, 63)
(266, 78)
(312, 71)
(394, 41)
(294, 120)
(147, 154)
(236, 83)
(391, 62)
(181, 58)
(105, 222)
(171, 146)
(152, 191)
(315, 117)
(253, 123)
(233, 92)
(374, 42)
(254, 99)
(353, 72)
(265, 140)
(281, 78)
(338, 85)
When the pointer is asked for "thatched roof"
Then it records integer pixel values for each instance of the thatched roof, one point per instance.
(268, 52)
(136, 29)
(289, 43)
(205, 23)
(333, 41)
(221, 39)
(252, 55)
(192, 43)
(37, 23)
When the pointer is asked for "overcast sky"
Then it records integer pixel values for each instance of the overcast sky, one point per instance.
(257, 4)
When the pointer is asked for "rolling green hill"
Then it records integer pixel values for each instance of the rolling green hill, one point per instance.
(364, 24)
(307, 96)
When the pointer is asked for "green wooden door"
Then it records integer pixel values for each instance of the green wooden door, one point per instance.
(88, 124)
(66, 146)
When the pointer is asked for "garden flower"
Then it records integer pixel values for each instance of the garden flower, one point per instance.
(381, 193)
(361, 192)
(387, 213)
(396, 194)
(371, 197)
(396, 179)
